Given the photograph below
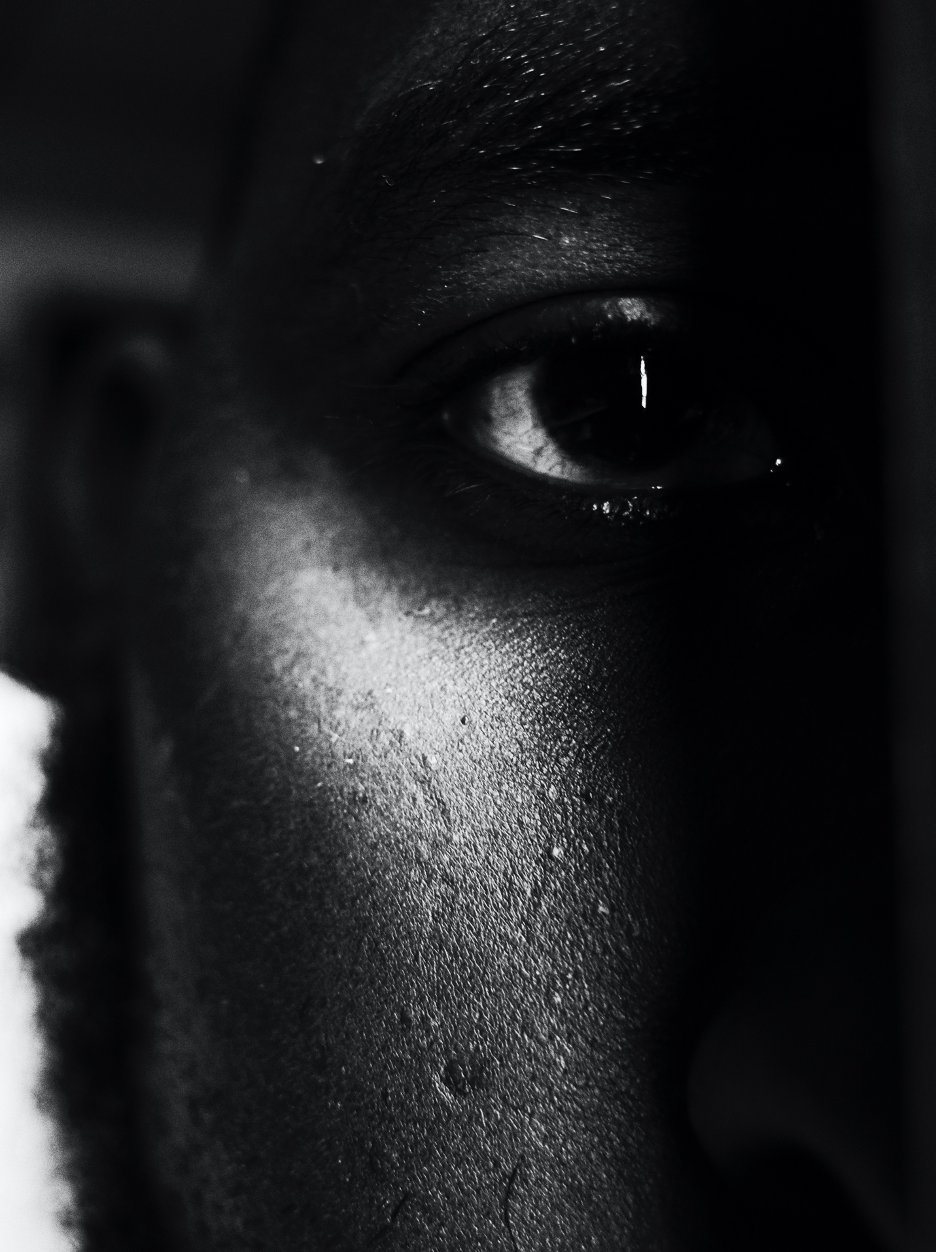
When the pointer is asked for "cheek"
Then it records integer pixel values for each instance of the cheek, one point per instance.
(413, 892)
(438, 857)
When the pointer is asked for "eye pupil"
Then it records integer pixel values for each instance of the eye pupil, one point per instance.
(634, 407)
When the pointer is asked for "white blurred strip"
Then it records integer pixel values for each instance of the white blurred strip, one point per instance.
(39, 255)
(30, 1194)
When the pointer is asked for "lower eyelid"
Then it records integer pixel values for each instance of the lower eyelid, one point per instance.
(646, 533)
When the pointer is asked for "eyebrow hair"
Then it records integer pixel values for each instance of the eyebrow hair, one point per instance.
(536, 99)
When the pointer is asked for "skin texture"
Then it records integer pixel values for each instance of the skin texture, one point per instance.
(516, 870)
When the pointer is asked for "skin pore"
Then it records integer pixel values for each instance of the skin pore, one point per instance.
(514, 856)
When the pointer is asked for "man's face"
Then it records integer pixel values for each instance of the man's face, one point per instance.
(505, 665)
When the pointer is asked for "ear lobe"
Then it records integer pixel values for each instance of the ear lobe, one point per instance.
(101, 381)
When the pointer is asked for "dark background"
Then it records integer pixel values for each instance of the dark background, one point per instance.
(115, 123)
(117, 109)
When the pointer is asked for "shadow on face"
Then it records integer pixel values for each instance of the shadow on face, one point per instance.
(498, 637)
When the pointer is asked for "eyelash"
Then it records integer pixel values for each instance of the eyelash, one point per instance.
(478, 352)
(548, 516)
(647, 535)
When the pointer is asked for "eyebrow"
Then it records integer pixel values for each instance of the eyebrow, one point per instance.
(531, 101)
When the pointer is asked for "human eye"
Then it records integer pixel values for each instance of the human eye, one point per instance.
(622, 414)
(644, 417)
(619, 395)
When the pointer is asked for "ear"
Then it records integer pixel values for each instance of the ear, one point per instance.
(97, 379)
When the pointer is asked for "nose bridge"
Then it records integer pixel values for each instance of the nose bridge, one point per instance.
(801, 1065)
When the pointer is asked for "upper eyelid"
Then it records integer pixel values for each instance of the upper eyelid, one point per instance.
(477, 350)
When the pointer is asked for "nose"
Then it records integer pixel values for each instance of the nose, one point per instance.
(794, 1089)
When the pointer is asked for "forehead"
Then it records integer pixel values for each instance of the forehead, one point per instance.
(378, 108)
(431, 162)
(663, 86)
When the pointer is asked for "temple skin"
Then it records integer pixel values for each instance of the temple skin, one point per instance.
(515, 878)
